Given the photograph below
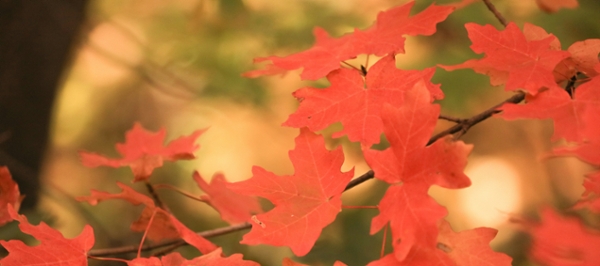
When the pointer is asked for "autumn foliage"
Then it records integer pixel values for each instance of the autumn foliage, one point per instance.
(369, 101)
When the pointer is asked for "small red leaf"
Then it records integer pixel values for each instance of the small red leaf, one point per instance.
(143, 151)
(304, 202)
(53, 249)
(385, 37)
(356, 102)
(513, 59)
(233, 207)
(164, 225)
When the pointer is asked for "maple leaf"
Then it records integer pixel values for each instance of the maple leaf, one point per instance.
(357, 102)
(408, 129)
(233, 207)
(574, 118)
(591, 196)
(563, 241)
(584, 56)
(512, 59)
(413, 216)
(552, 6)
(305, 202)
(9, 195)
(164, 225)
(385, 37)
(470, 247)
(214, 258)
(53, 249)
(466, 248)
(143, 151)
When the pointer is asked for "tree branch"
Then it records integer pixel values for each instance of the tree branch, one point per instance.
(464, 126)
(497, 14)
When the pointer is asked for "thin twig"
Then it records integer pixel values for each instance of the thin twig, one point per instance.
(451, 119)
(493, 9)
(206, 234)
(154, 195)
(357, 181)
(180, 191)
(462, 127)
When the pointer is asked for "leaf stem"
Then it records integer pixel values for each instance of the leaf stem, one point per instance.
(154, 195)
(206, 234)
(462, 127)
(451, 119)
(146, 233)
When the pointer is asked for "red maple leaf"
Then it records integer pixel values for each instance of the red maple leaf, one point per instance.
(471, 247)
(9, 195)
(584, 57)
(233, 207)
(304, 202)
(561, 240)
(356, 102)
(53, 249)
(164, 225)
(552, 6)
(214, 258)
(408, 160)
(385, 37)
(575, 119)
(412, 214)
(512, 58)
(143, 151)
(466, 248)
(591, 196)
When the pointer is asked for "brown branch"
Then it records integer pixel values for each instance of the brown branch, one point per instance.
(451, 119)
(462, 127)
(498, 15)
(206, 234)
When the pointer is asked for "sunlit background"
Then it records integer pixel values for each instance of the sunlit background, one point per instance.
(178, 64)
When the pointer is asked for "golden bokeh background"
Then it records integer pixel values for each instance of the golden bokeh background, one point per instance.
(178, 64)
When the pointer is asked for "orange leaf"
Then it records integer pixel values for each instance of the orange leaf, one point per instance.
(304, 202)
(143, 151)
(53, 249)
(233, 207)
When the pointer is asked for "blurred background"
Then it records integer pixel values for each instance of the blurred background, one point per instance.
(178, 64)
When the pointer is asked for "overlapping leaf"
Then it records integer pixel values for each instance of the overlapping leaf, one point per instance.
(561, 240)
(305, 202)
(413, 168)
(233, 207)
(466, 248)
(575, 119)
(408, 160)
(214, 258)
(164, 225)
(357, 102)
(143, 151)
(385, 37)
(513, 59)
(53, 249)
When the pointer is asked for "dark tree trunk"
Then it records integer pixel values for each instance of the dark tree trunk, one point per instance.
(36, 37)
